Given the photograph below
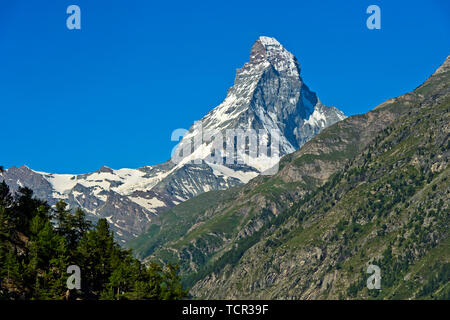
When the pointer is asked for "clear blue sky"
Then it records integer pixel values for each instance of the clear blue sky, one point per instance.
(112, 92)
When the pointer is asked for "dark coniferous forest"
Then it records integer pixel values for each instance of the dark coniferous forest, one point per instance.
(39, 242)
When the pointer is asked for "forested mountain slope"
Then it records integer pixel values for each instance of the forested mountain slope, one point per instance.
(372, 188)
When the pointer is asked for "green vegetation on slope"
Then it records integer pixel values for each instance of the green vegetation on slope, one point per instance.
(388, 206)
(174, 223)
(372, 188)
(38, 243)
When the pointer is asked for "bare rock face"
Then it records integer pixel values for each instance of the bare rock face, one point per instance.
(444, 67)
(268, 94)
(24, 176)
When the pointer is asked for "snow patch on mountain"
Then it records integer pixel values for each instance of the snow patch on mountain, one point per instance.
(221, 170)
(60, 182)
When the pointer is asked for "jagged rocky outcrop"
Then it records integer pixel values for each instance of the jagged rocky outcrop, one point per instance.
(268, 94)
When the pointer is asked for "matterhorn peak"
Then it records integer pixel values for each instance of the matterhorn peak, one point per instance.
(269, 51)
(268, 94)
(268, 41)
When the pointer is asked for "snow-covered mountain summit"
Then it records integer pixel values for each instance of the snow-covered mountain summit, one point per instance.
(268, 95)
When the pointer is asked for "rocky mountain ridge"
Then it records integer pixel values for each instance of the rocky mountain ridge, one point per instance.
(268, 94)
(370, 189)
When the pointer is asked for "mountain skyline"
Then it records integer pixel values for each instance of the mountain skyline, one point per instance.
(116, 89)
(225, 152)
(268, 97)
(370, 189)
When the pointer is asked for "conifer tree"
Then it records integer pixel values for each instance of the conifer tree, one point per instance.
(38, 243)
